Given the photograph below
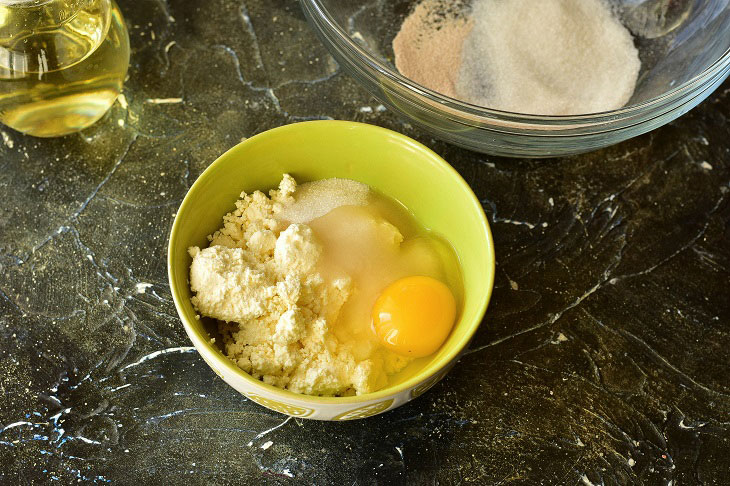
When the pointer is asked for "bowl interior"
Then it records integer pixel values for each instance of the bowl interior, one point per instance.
(389, 162)
(677, 40)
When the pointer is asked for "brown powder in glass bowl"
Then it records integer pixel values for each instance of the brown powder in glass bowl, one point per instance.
(429, 43)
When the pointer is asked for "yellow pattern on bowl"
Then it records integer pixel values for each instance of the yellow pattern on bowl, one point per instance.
(366, 411)
(390, 162)
(426, 385)
(280, 407)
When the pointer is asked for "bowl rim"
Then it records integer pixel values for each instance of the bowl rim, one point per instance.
(486, 115)
(436, 161)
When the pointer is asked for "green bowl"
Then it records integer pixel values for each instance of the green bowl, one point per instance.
(387, 161)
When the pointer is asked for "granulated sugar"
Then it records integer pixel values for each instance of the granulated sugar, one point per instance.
(317, 198)
(548, 57)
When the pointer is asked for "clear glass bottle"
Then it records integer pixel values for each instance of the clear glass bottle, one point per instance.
(62, 63)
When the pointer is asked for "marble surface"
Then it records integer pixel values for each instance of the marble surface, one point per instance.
(603, 358)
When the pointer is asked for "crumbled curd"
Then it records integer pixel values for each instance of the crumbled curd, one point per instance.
(259, 277)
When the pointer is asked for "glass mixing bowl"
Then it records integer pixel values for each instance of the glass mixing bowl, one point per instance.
(684, 47)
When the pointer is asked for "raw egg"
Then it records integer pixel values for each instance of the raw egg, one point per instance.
(413, 316)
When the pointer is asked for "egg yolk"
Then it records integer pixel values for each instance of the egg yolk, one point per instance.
(413, 316)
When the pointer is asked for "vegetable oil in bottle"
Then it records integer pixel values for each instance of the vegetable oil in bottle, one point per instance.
(62, 63)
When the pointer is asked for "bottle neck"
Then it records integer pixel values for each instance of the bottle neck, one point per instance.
(38, 36)
(39, 12)
(23, 3)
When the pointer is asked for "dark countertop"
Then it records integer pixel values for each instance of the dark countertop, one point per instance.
(604, 357)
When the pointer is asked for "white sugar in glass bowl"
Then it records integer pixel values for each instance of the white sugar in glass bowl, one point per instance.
(684, 47)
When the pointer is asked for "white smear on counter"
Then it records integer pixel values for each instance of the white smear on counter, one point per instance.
(181, 349)
(586, 481)
(516, 223)
(163, 101)
(88, 441)
(8, 141)
(15, 424)
(267, 431)
(142, 287)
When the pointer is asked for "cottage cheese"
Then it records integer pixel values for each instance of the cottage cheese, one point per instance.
(278, 314)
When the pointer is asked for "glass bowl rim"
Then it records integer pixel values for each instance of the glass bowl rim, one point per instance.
(488, 115)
